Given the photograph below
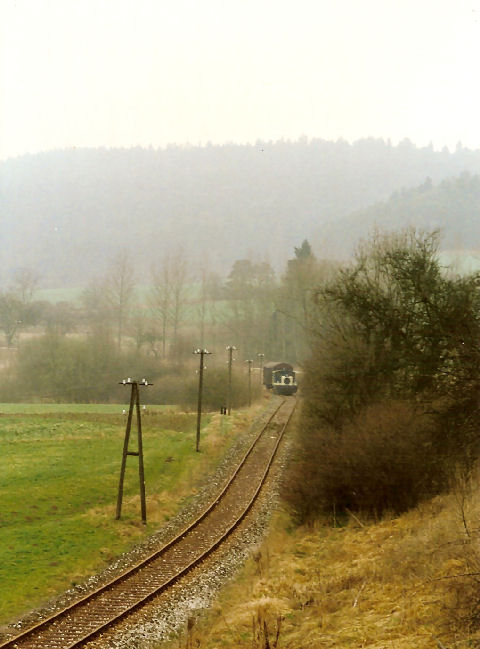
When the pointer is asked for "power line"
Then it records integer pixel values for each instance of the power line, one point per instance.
(202, 353)
(230, 349)
(134, 403)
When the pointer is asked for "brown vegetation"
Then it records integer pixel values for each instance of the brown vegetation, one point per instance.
(406, 582)
(381, 460)
(391, 388)
(389, 425)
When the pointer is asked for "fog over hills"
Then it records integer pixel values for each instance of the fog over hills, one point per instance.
(452, 206)
(66, 213)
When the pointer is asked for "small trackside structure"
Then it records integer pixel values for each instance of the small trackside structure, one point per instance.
(280, 378)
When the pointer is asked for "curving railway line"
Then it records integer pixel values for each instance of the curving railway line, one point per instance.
(101, 609)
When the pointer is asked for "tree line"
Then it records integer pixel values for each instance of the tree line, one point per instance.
(152, 319)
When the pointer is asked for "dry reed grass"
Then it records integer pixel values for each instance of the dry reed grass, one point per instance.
(406, 582)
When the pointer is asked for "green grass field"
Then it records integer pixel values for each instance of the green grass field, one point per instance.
(58, 490)
(96, 408)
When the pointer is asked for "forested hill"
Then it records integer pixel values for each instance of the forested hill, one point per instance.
(452, 206)
(66, 213)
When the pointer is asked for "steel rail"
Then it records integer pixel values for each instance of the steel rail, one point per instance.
(128, 573)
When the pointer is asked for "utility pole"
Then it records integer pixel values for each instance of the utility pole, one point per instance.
(134, 402)
(230, 350)
(249, 382)
(260, 358)
(202, 353)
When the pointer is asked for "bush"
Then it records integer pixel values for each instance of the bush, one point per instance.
(381, 460)
(61, 369)
(395, 337)
(215, 390)
(394, 323)
(57, 368)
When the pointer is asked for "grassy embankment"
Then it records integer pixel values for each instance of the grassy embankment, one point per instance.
(396, 583)
(58, 489)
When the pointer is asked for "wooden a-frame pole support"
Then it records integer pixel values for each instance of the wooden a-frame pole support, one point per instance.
(134, 403)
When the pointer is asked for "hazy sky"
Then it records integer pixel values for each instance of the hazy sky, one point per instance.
(128, 72)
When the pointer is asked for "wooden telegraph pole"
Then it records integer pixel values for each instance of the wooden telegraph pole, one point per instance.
(249, 382)
(202, 353)
(230, 350)
(260, 358)
(134, 402)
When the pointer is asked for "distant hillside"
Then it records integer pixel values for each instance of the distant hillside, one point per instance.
(453, 206)
(66, 213)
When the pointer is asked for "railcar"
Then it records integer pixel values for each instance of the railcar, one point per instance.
(280, 378)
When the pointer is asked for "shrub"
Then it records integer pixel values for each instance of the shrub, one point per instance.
(395, 337)
(393, 323)
(381, 460)
(215, 390)
(57, 368)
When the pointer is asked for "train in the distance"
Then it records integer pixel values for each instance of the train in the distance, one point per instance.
(280, 378)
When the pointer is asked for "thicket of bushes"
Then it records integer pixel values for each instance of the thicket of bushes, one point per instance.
(380, 460)
(391, 388)
(56, 368)
(179, 385)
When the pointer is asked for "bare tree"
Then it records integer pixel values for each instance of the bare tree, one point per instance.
(160, 298)
(60, 318)
(179, 279)
(108, 301)
(168, 295)
(97, 309)
(202, 303)
(17, 308)
(25, 283)
(120, 291)
(11, 314)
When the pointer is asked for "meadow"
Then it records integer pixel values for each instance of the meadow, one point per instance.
(96, 408)
(59, 482)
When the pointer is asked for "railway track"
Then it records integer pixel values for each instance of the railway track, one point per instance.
(101, 609)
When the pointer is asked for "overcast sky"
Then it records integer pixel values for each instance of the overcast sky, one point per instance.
(151, 72)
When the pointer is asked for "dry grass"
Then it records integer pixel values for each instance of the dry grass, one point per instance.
(397, 583)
